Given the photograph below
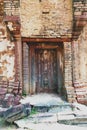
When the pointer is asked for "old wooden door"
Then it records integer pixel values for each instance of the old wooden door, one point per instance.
(46, 70)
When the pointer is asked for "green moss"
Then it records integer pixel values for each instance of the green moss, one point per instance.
(33, 111)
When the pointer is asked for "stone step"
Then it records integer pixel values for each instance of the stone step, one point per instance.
(74, 121)
(43, 118)
(53, 108)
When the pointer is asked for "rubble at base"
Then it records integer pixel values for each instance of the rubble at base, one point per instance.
(60, 113)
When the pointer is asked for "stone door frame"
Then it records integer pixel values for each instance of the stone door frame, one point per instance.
(68, 79)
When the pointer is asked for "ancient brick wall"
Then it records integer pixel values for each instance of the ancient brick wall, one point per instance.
(7, 58)
(79, 16)
(9, 48)
(46, 18)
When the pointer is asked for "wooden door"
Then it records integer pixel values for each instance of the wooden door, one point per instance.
(46, 70)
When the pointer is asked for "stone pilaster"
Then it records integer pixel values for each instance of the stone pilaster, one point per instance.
(76, 60)
(79, 47)
(68, 72)
(25, 68)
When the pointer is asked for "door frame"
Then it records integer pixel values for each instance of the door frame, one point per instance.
(29, 86)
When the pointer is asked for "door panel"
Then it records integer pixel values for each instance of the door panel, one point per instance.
(46, 70)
